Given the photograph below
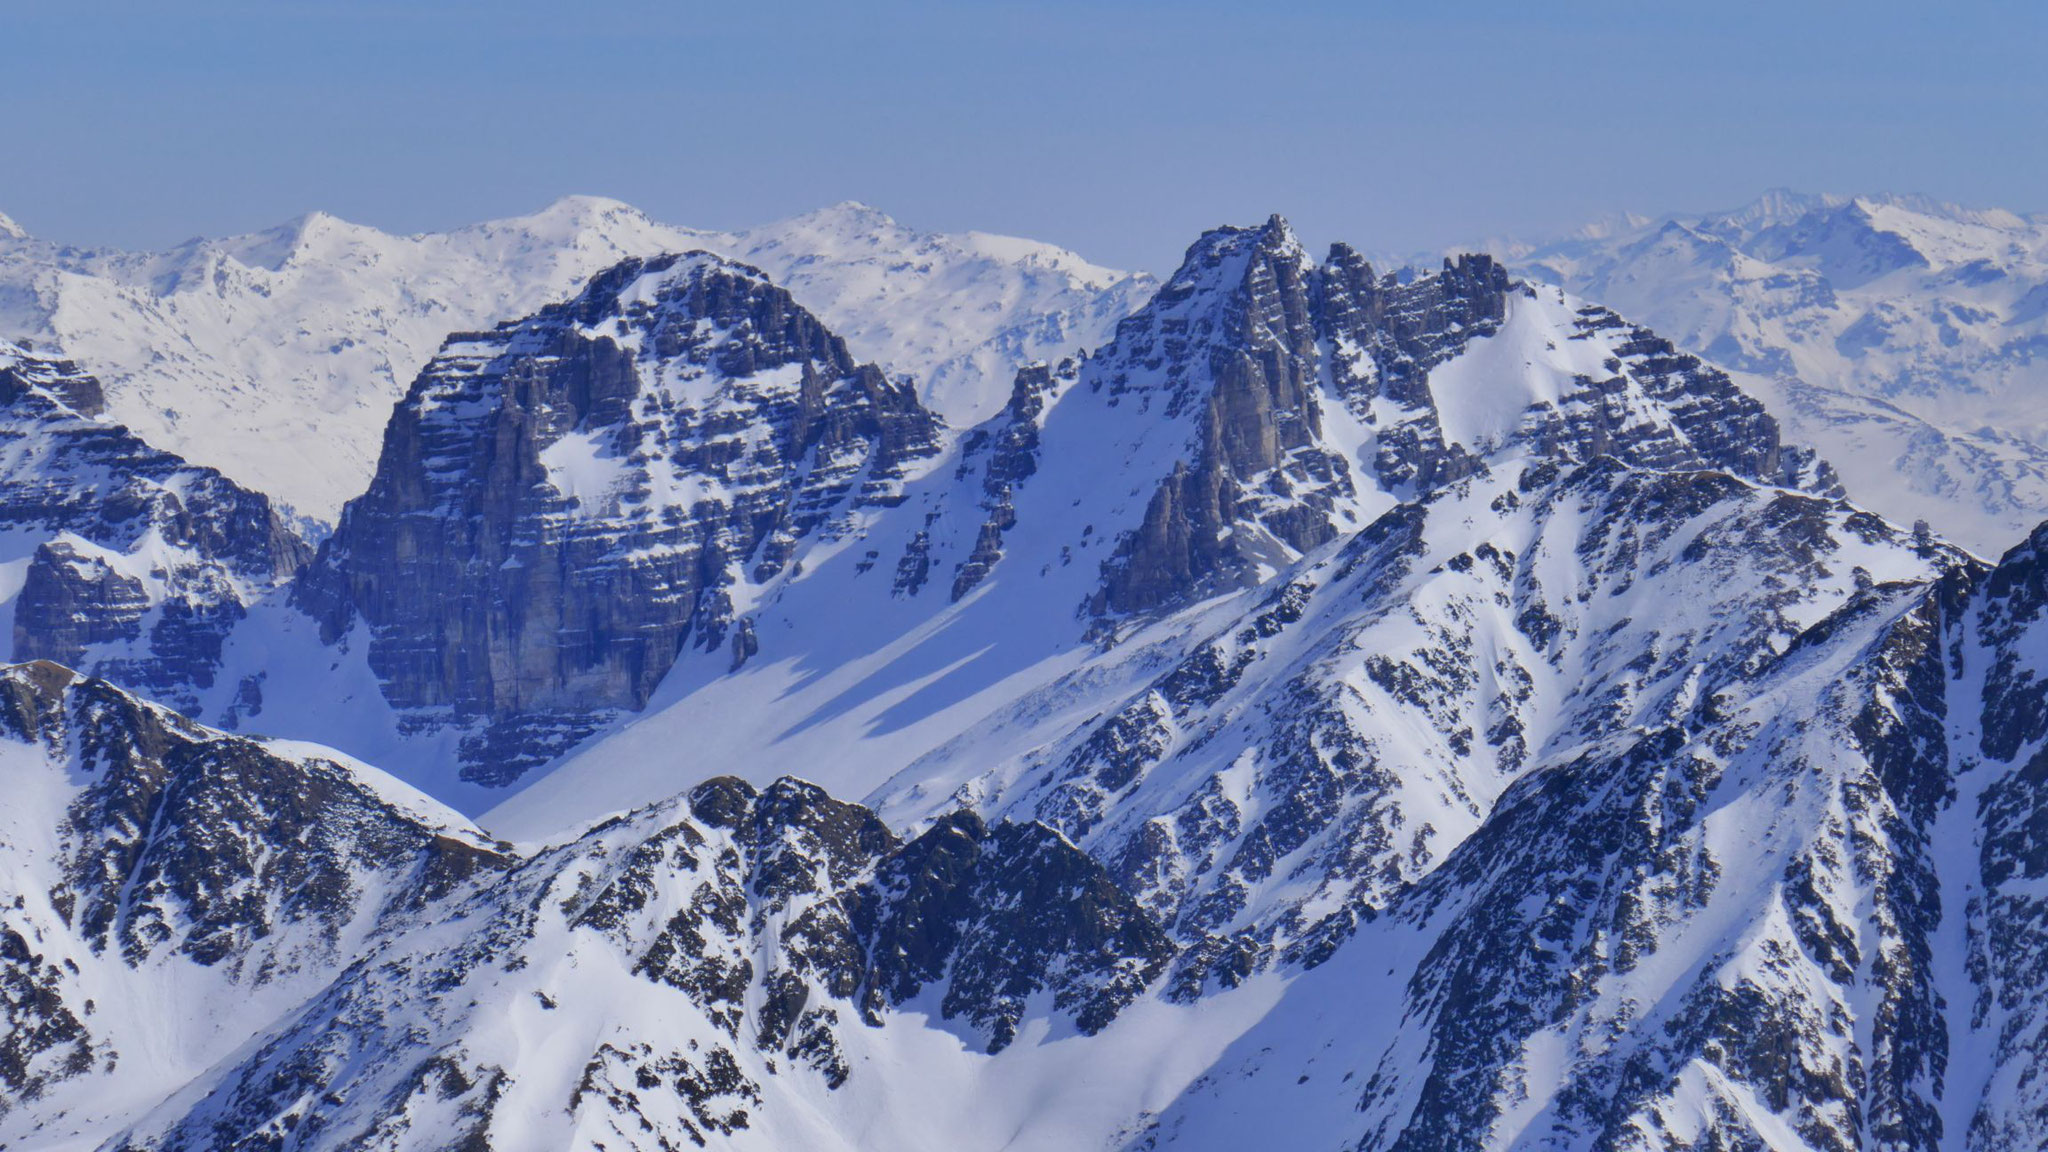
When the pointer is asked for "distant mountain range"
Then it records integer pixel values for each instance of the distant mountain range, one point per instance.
(845, 688)
(1907, 339)
(276, 357)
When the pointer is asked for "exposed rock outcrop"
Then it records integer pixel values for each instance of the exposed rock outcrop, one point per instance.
(140, 564)
(565, 503)
(214, 862)
(1314, 389)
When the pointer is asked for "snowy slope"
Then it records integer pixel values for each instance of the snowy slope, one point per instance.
(1901, 336)
(276, 356)
(1251, 416)
(1342, 710)
(171, 891)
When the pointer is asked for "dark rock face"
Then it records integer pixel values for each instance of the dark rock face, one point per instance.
(996, 914)
(564, 503)
(59, 379)
(208, 845)
(150, 561)
(1712, 423)
(1006, 912)
(1007, 455)
(1232, 337)
(1265, 348)
(44, 1040)
(2009, 920)
(1385, 336)
(76, 599)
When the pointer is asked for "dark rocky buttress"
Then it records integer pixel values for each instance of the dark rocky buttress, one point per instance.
(776, 922)
(566, 502)
(182, 845)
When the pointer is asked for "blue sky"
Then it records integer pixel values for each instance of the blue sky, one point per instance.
(1120, 128)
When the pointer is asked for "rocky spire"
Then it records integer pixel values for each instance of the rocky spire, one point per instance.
(1230, 340)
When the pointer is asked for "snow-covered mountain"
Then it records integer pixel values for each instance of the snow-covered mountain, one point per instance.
(564, 504)
(275, 357)
(1262, 410)
(172, 892)
(1341, 710)
(1903, 337)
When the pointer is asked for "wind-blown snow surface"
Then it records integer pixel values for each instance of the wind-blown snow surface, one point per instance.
(1907, 339)
(275, 357)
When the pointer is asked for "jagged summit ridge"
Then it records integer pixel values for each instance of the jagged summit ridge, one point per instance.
(171, 889)
(1324, 389)
(311, 921)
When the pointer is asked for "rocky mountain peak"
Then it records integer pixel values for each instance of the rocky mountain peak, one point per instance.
(229, 870)
(565, 503)
(1230, 283)
(1315, 392)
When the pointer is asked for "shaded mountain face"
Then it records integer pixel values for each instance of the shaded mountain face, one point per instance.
(128, 561)
(565, 503)
(1901, 336)
(1307, 386)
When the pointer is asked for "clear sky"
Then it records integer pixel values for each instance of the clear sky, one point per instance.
(1120, 128)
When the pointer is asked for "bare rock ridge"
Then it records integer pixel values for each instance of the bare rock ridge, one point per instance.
(140, 564)
(1899, 335)
(564, 503)
(780, 920)
(1270, 349)
(240, 870)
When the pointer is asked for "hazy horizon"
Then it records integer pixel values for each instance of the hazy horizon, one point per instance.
(1118, 130)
